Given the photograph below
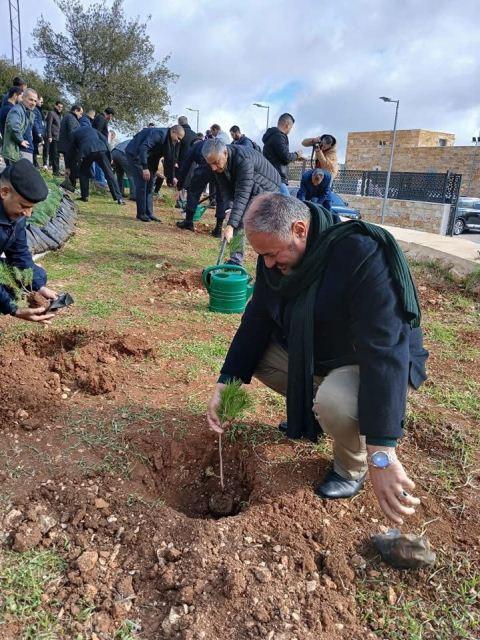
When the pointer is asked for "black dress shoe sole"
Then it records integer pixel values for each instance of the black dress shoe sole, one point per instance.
(343, 494)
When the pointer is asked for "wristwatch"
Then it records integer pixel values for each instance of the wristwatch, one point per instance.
(380, 460)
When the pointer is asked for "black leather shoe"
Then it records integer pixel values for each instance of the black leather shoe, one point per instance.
(217, 232)
(335, 486)
(144, 218)
(121, 201)
(184, 224)
(83, 199)
(283, 426)
(154, 219)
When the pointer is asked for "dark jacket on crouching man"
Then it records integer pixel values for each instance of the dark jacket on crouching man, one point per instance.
(340, 331)
(90, 146)
(121, 167)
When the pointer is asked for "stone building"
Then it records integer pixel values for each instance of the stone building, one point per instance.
(416, 150)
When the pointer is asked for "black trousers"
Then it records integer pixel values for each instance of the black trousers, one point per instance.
(71, 163)
(103, 161)
(201, 177)
(53, 156)
(121, 167)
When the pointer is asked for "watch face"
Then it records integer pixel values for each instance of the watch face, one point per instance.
(380, 459)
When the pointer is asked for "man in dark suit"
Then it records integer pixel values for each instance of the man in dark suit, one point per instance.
(90, 146)
(144, 152)
(70, 122)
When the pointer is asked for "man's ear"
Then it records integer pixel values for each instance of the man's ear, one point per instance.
(4, 190)
(300, 229)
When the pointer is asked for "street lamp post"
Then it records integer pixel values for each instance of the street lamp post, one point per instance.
(390, 164)
(264, 106)
(197, 111)
(476, 140)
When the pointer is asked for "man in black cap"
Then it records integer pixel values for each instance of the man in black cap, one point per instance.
(21, 187)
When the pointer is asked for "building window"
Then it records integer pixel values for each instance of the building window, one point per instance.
(442, 142)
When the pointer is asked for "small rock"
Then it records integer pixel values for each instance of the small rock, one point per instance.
(311, 586)
(277, 548)
(27, 538)
(100, 503)
(87, 561)
(12, 518)
(358, 562)
(46, 523)
(125, 587)
(21, 414)
(248, 540)
(391, 596)
(90, 591)
(262, 574)
(172, 554)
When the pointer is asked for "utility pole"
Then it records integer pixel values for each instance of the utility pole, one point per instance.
(15, 32)
(475, 140)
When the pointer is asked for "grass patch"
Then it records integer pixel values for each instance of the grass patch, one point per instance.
(464, 399)
(24, 579)
(442, 333)
(445, 607)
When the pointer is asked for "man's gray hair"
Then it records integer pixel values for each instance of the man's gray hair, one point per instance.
(178, 129)
(275, 213)
(29, 91)
(183, 120)
(213, 147)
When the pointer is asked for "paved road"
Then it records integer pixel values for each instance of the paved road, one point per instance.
(473, 237)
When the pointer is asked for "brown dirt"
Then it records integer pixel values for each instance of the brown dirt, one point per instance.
(169, 281)
(139, 539)
(36, 300)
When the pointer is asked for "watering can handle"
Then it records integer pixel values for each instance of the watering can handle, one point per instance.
(223, 267)
(222, 251)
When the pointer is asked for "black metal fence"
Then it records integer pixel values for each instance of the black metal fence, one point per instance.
(424, 187)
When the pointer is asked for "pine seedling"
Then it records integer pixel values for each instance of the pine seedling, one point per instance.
(234, 402)
(19, 281)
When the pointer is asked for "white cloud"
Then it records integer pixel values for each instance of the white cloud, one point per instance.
(339, 57)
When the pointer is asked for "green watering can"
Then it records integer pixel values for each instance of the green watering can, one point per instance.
(228, 285)
(199, 211)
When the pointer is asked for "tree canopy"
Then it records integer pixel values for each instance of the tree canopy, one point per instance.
(105, 60)
(49, 89)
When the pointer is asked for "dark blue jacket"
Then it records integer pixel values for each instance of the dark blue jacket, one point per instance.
(13, 242)
(38, 125)
(3, 115)
(308, 191)
(87, 140)
(243, 141)
(358, 320)
(194, 155)
(85, 121)
(147, 147)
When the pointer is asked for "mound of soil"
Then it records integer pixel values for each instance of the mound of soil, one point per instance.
(45, 368)
(190, 280)
(36, 300)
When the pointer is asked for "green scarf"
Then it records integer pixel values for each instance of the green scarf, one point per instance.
(301, 287)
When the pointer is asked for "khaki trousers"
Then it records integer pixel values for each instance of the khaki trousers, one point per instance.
(335, 404)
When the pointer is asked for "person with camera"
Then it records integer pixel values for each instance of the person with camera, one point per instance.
(325, 152)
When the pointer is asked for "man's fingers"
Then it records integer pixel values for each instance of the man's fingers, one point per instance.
(388, 511)
(397, 507)
(410, 485)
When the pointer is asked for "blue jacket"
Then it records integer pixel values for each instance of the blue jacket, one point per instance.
(147, 147)
(308, 191)
(3, 115)
(357, 320)
(87, 140)
(38, 125)
(85, 121)
(194, 155)
(243, 141)
(13, 242)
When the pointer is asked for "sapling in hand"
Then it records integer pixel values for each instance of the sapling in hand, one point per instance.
(234, 402)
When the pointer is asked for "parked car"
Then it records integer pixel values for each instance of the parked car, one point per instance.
(467, 216)
(339, 206)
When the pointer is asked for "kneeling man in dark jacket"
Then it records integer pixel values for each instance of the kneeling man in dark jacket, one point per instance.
(334, 325)
(240, 174)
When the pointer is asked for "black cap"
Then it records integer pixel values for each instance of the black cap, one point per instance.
(26, 180)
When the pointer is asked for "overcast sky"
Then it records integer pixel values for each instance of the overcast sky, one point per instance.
(325, 62)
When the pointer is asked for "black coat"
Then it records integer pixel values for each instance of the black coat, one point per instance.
(87, 140)
(13, 242)
(100, 123)
(148, 146)
(185, 144)
(276, 150)
(69, 124)
(357, 320)
(52, 124)
(246, 175)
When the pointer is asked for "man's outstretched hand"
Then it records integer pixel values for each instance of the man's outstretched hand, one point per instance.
(392, 487)
(35, 315)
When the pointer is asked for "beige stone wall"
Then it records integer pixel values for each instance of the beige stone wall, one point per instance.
(418, 151)
(423, 216)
